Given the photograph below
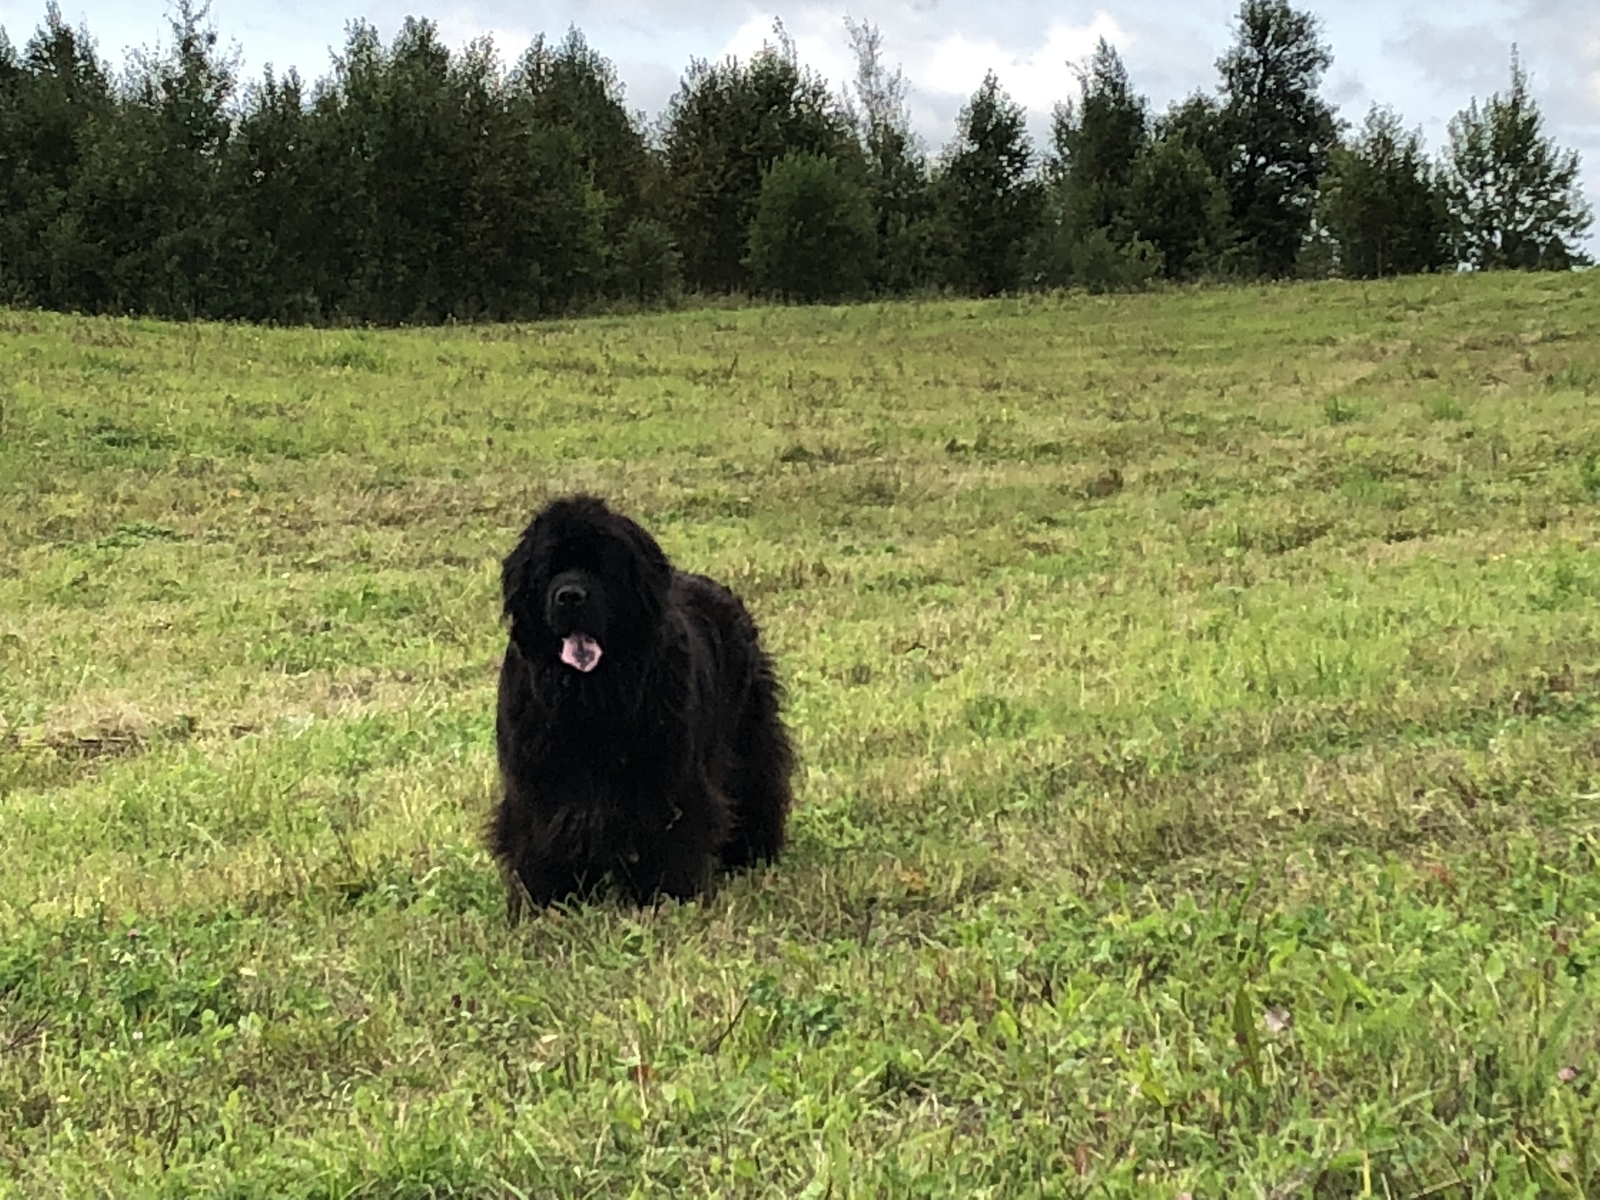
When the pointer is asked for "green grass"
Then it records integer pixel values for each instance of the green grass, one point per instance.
(1197, 696)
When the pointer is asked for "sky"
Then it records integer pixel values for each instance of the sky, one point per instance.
(1425, 58)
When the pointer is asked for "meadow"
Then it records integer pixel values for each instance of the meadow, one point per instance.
(1197, 696)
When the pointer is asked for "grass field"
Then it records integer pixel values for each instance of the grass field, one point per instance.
(1197, 696)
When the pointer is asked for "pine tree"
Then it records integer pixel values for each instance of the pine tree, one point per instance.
(272, 222)
(991, 197)
(1177, 204)
(569, 85)
(51, 94)
(727, 125)
(147, 211)
(1381, 205)
(1095, 142)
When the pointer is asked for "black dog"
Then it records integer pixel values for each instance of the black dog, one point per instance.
(638, 729)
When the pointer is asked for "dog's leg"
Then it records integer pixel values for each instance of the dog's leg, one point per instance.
(679, 864)
(758, 784)
(679, 878)
(544, 881)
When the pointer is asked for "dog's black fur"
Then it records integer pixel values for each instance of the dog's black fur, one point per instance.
(666, 760)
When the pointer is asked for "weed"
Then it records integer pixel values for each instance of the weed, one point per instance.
(1444, 408)
(1589, 474)
(1338, 412)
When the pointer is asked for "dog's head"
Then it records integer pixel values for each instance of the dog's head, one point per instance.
(583, 584)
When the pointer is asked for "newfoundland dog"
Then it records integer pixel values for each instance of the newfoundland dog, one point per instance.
(638, 729)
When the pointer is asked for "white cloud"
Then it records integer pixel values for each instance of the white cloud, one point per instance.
(1036, 79)
(937, 60)
(458, 29)
(819, 40)
(1591, 59)
(943, 64)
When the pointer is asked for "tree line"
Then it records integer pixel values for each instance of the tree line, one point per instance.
(416, 184)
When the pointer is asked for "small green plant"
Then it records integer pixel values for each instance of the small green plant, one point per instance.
(1444, 408)
(1338, 412)
(1589, 474)
(991, 716)
(1574, 377)
(349, 357)
(813, 235)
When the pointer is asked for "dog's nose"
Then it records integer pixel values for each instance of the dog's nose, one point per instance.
(570, 595)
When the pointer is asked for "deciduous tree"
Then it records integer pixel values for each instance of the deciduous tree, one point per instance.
(1276, 129)
(1514, 194)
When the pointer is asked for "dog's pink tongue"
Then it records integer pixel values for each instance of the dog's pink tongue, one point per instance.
(580, 651)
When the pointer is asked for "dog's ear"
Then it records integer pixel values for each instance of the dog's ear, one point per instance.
(652, 573)
(520, 597)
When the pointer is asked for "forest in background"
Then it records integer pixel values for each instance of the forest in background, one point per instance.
(417, 184)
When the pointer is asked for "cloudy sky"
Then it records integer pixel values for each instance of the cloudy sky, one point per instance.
(1427, 58)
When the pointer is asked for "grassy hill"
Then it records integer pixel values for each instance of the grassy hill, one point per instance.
(1197, 696)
